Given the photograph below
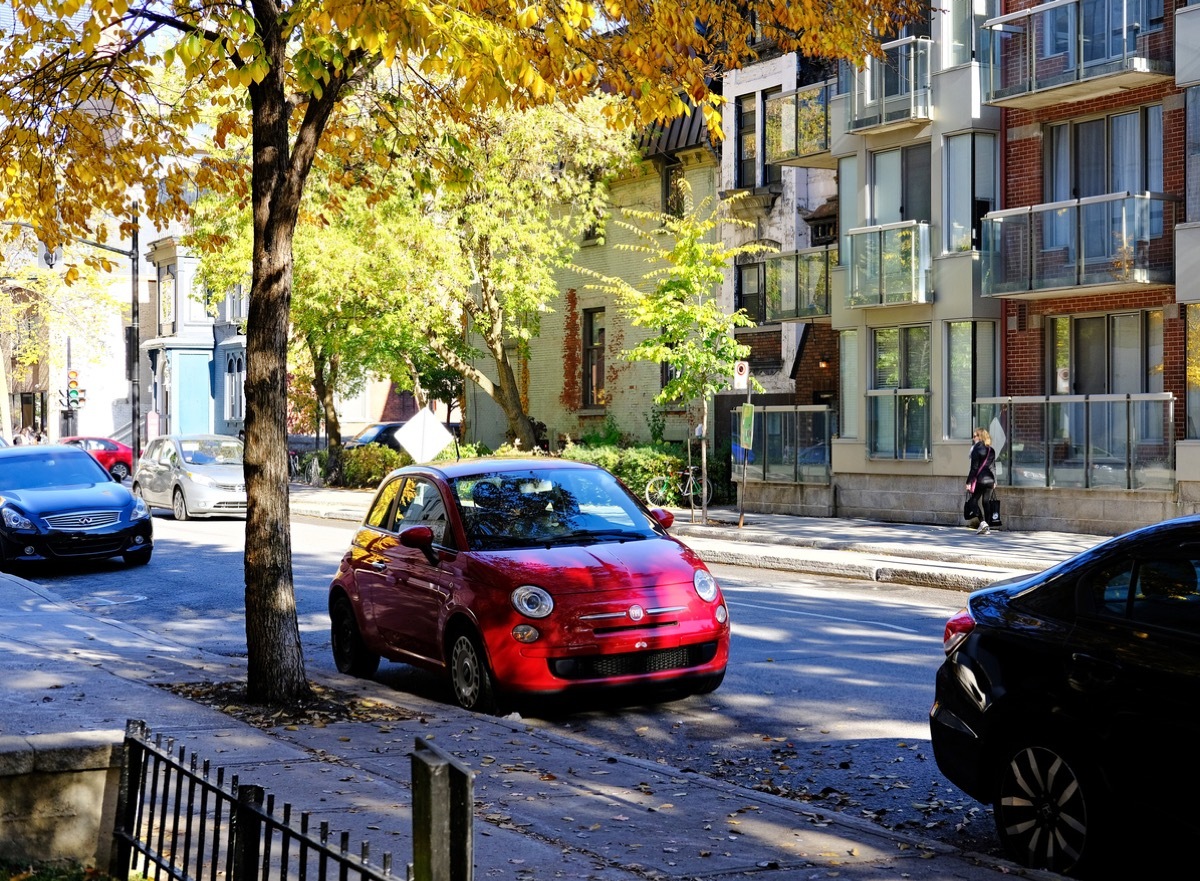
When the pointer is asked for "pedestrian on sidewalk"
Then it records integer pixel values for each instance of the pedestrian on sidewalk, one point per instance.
(981, 480)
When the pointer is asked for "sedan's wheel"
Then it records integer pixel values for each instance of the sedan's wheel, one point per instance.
(350, 653)
(119, 471)
(473, 688)
(138, 558)
(1047, 810)
(179, 505)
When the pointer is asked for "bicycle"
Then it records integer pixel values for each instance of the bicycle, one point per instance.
(670, 488)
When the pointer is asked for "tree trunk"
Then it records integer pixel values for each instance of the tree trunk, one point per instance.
(325, 378)
(508, 396)
(275, 660)
(704, 460)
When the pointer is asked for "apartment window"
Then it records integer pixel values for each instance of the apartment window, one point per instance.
(772, 174)
(1094, 157)
(900, 185)
(1118, 353)
(747, 141)
(235, 382)
(594, 394)
(848, 216)
(849, 385)
(898, 424)
(971, 372)
(971, 175)
(750, 291)
(672, 189)
(1192, 154)
(965, 18)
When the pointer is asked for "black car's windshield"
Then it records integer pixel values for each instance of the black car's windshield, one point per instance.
(62, 467)
(548, 507)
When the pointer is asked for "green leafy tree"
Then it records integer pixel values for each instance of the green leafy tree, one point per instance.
(102, 106)
(678, 303)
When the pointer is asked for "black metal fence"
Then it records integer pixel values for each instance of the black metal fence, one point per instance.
(177, 818)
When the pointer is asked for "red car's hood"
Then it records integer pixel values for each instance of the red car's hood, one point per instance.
(606, 565)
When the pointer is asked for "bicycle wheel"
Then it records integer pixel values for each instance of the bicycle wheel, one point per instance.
(660, 492)
(708, 492)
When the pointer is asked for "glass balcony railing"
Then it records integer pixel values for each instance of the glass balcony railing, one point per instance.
(893, 90)
(798, 284)
(1060, 45)
(1083, 441)
(790, 444)
(889, 264)
(1116, 240)
(797, 130)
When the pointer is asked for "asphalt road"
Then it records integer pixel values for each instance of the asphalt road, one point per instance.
(826, 699)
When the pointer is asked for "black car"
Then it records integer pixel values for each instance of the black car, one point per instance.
(1070, 701)
(377, 433)
(58, 503)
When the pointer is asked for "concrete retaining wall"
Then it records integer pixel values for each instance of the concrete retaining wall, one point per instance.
(58, 797)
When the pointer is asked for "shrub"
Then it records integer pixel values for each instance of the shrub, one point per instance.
(632, 465)
(367, 466)
(464, 451)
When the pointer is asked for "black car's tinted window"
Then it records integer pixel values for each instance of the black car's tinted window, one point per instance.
(1166, 594)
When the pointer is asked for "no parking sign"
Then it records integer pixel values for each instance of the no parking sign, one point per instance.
(741, 375)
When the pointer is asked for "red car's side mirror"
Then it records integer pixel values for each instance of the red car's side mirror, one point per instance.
(421, 538)
(664, 517)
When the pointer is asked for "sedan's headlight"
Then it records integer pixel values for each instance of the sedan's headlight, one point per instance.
(140, 511)
(14, 519)
(706, 585)
(532, 601)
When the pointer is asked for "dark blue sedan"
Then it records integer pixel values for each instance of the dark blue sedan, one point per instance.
(58, 503)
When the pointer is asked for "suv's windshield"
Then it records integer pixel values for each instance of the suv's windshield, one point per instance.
(63, 467)
(544, 508)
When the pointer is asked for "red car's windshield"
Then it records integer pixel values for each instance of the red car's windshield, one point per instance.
(539, 508)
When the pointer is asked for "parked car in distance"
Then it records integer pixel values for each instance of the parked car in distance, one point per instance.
(377, 433)
(58, 503)
(1068, 700)
(116, 457)
(195, 475)
(520, 578)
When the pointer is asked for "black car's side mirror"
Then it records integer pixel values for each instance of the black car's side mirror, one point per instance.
(421, 538)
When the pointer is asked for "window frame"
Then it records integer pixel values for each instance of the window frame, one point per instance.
(592, 360)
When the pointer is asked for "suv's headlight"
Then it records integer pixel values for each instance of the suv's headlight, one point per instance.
(14, 519)
(140, 510)
(532, 601)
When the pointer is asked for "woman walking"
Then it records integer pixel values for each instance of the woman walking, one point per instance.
(981, 479)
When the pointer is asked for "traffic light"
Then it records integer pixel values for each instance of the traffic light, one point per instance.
(74, 393)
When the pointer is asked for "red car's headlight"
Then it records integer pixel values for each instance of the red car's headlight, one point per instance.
(706, 585)
(532, 601)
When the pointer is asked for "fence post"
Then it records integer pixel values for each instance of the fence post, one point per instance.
(443, 816)
(246, 831)
(129, 792)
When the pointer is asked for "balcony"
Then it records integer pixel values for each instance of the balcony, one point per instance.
(1069, 49)
(893, 91)
(1114, 242)
(798, 284)
(1121, 442)
(889, 265)
(798, 127)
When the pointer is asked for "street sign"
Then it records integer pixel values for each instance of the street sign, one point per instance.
(424, 436)
(746, 428)
(741, 375)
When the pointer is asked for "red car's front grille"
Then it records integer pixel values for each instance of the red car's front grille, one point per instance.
(633, 663)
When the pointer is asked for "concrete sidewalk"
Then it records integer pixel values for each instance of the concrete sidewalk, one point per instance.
(547, 805)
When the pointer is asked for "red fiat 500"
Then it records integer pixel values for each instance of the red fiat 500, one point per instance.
(525, 577)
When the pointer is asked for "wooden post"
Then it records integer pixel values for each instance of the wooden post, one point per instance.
(443, 816)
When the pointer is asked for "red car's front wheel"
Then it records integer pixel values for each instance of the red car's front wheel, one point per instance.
(472, 680)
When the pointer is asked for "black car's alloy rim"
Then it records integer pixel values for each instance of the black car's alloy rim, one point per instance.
(1042, 813)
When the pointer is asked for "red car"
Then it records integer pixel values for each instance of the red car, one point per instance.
(518, 578)
(116, 457)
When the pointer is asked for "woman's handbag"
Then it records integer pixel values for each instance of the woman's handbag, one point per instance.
(991, 511)
(971, 508)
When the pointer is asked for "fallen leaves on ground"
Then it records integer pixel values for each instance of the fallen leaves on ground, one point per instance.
(325, 706)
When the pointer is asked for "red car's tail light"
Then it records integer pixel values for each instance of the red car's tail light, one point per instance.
(958, 628)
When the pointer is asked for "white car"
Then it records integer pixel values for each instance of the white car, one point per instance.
(195, 475)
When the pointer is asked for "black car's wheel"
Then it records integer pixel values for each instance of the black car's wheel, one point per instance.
(119, 471)
(138, 558)
(350, 653)
(469, 673)
(179, 505)
(1049, 809)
